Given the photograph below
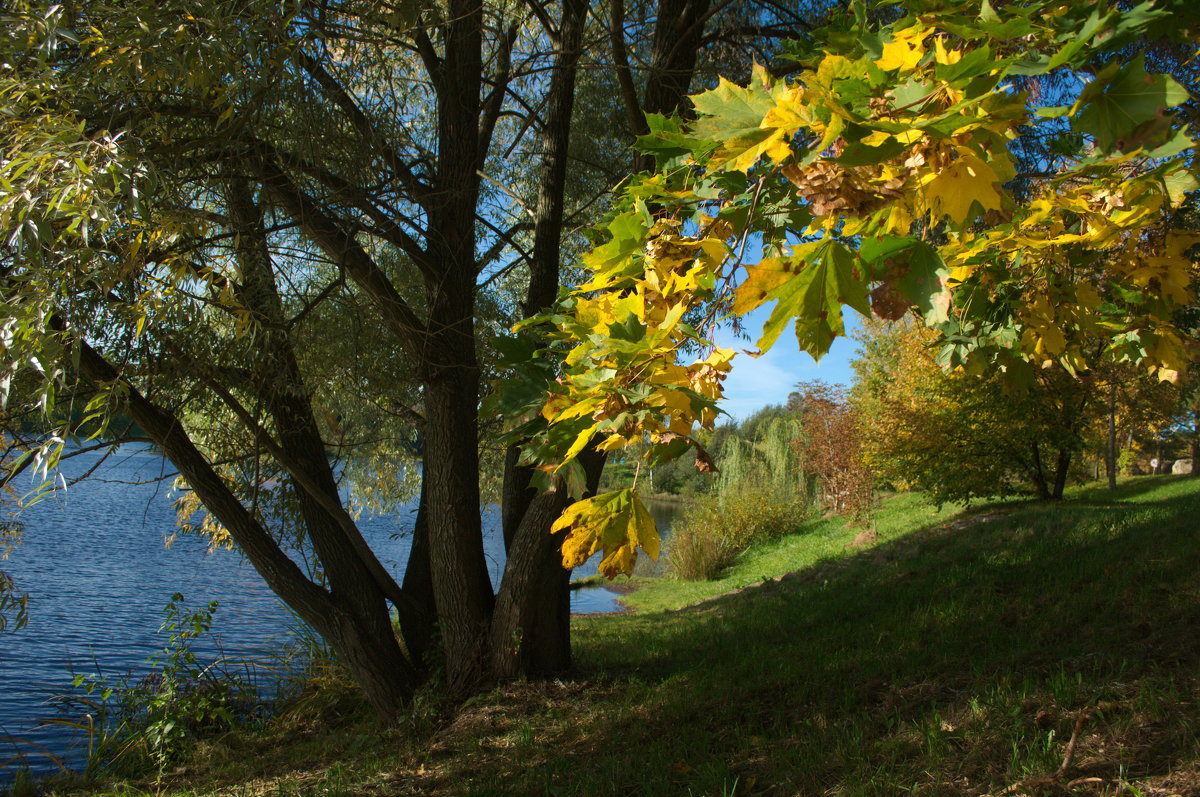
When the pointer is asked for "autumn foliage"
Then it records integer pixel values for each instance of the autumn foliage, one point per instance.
(879, 176)
(830, 447)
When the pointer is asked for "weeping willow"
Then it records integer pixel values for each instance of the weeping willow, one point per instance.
(767, 462)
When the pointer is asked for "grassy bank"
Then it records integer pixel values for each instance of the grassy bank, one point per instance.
(1025, 649)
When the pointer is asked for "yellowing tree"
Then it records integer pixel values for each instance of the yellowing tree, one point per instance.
(959, 437)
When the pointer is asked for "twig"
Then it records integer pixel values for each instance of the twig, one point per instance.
(1083, 716)
(1055, 780)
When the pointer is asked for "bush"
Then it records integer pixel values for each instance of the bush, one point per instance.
(151, 722)
(712, 531)
(694, 554)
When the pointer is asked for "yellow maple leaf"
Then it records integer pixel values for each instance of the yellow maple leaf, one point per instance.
(790, 112)
(905, 50)
(616, 523)
(945, 56)
(762, 278)
(964, 181)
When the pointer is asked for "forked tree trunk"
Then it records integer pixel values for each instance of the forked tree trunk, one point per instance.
(531, 626)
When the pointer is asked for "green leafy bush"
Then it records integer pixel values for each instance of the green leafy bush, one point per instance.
(151, 720)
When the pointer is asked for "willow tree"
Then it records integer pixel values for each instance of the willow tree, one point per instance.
(880, 176)
(263, 232)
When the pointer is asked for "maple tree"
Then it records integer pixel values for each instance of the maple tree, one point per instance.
(959, 437)
(876, 177)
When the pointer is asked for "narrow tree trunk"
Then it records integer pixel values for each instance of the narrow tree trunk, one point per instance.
(1196, 442)
(418, 619)
(1110, 457)
(1062, 466)
(1038, 473)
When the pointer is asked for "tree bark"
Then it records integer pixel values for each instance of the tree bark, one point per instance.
(1110, 453)
(531, 627)
(418, 620)
(1195, 442)
(1037, 473)
(1062, 466)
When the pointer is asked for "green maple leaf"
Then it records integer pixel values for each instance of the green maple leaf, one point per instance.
(1121, 99)
(827, 276)
(920, 276)
(731, 115)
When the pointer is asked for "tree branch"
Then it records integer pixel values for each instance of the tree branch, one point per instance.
(340, 97)
(343, 250)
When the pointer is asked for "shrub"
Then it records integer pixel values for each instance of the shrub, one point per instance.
(694, 554)
(152, 721)
(712, 531)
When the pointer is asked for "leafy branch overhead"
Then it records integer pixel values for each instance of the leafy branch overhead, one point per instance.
(881, 175)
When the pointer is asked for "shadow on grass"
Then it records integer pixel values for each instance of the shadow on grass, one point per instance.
(950, 661)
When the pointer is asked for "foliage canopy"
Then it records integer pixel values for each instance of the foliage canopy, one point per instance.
(880, 175)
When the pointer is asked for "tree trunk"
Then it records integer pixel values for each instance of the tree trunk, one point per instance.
(531, 627)
(1060, 473)
(1110, 454)
(1038, 473)
(418, 620)
(1196, 442)
(461, 587)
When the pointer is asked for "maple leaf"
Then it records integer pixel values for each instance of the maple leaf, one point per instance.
(616, 523)
(905, 50)
(912, 274)
(960, 185)
(823, 276)
(1121, 99)
(733, 116)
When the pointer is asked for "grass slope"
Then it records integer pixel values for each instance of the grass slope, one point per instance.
(958, 657)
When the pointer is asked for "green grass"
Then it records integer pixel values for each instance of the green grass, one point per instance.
(817, 542)
(952, 657)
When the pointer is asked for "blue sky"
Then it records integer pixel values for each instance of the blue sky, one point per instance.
(756, 382)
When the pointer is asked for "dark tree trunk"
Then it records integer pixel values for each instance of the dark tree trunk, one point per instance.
(418, 619)
(1196, 442)
(461, 587)
(531, 627)
(1038, 474)
(1061, 467)
(678, 32)
(1110, 453)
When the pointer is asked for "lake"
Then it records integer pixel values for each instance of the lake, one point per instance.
(98, 572)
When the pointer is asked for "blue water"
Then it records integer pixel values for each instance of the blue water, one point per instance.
(98, 572)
